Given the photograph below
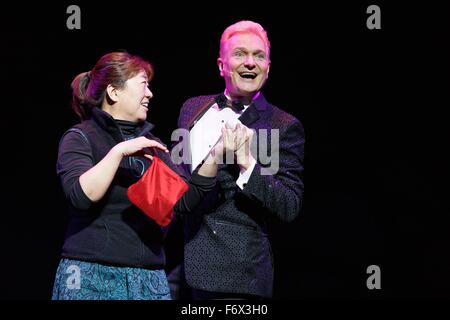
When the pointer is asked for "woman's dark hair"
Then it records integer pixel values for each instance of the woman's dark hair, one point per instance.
(115, 68)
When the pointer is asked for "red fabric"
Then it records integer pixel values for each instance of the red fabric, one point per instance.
(157, 191)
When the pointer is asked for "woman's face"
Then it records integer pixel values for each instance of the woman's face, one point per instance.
(132, 104)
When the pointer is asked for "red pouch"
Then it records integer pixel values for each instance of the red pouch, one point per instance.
(157, 191)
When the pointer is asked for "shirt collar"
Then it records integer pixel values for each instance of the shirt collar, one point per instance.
(245, 105)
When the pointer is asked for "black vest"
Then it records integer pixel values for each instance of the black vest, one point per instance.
(113, 231)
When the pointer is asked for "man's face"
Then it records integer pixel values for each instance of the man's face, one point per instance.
(244, 64)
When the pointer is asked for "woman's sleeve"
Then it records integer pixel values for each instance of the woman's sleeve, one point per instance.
(74, 159)
(199, 186)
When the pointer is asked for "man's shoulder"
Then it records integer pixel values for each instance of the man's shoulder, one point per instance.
(198, 100)
(281, 116)
(191, 107)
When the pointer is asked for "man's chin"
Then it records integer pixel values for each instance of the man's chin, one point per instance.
(248, 93)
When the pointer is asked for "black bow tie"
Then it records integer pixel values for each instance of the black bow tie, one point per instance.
(223, 102)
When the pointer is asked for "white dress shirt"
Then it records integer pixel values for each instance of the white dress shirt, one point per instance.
(207, 132)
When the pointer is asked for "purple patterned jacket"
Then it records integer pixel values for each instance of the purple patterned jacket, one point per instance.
(226, 240)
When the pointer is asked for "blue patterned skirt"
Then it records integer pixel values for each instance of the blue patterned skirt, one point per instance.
(80, 280)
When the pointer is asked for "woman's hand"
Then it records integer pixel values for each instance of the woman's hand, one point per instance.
(136, 146)
(96, 181)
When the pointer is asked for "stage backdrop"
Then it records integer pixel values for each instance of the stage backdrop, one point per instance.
(372, 103)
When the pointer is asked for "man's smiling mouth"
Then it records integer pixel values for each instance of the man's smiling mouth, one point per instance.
(248, 75)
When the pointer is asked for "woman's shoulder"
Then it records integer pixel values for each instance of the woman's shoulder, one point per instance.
(74, 137)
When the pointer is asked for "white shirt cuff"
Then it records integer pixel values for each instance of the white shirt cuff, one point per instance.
(244, 176)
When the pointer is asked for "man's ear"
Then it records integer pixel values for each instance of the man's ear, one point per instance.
(220, 64)
(113, 93)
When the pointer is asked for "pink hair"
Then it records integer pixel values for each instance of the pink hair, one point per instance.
(244, 26)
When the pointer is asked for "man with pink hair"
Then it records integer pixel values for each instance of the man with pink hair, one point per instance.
(227, 252)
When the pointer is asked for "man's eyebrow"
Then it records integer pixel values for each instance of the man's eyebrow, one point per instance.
(260, 51)
(246, 50)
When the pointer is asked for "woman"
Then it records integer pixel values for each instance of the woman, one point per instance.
(111, 249)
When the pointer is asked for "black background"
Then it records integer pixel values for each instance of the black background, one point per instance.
(373, 104)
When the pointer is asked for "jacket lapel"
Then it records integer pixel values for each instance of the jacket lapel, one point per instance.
(200, 112)
(252, 113)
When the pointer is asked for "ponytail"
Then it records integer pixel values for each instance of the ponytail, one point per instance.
(80, 101)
